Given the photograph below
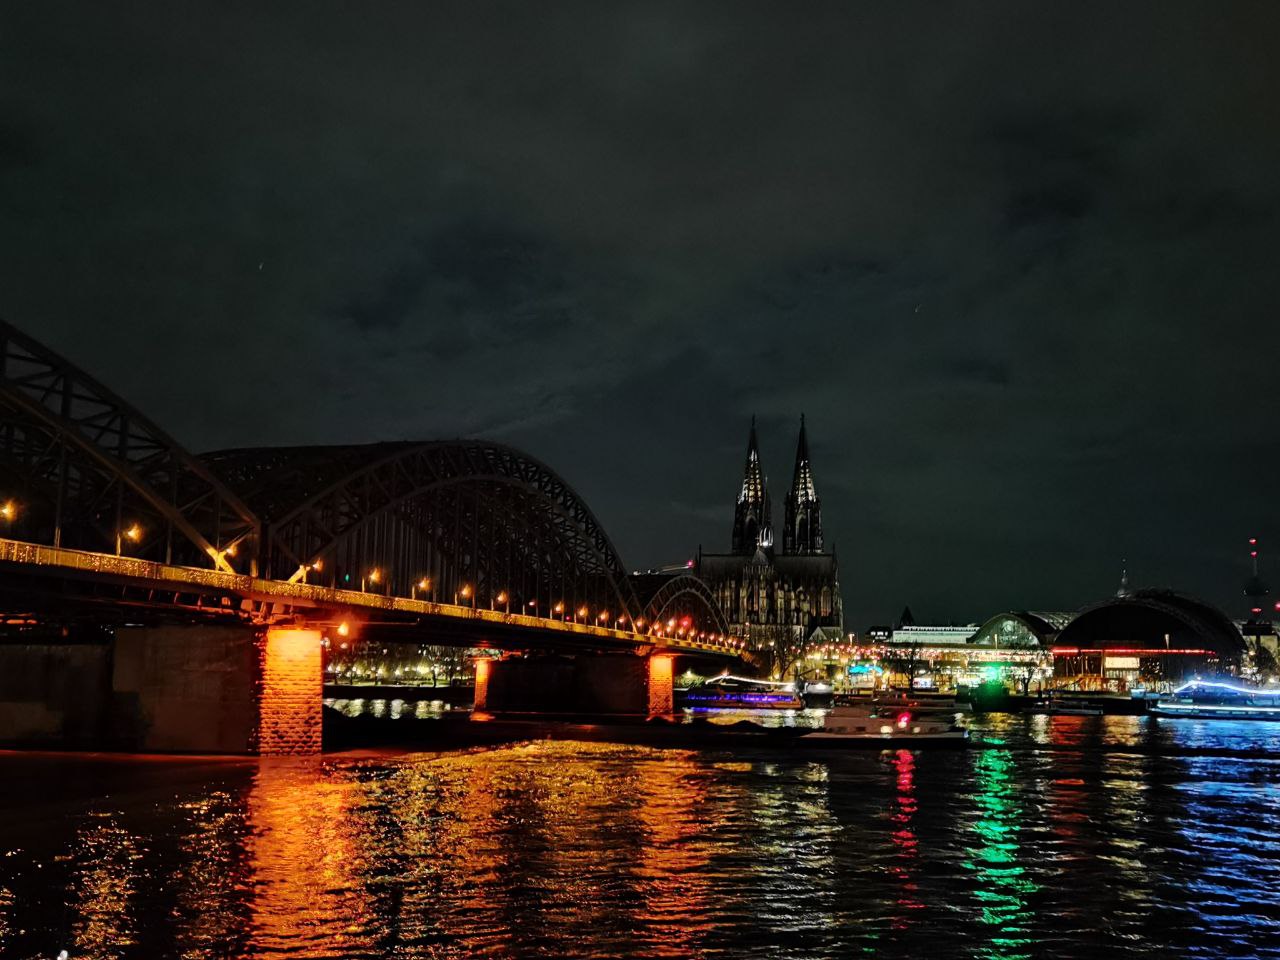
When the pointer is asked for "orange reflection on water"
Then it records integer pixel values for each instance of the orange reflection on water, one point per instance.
(305, 859)
(104, 883)
(670, 795)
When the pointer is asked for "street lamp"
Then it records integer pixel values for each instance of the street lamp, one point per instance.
(464, 593)
(504, 599)
(374, 576)
(132, 533)
(9, 511)
(424, 585)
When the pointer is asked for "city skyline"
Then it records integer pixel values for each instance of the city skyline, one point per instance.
(1014, 263)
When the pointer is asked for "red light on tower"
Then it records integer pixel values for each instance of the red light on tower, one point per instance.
(1253, 541)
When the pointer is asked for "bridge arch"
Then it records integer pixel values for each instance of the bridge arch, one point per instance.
(473, 521)
(90, 471)
(687, 595)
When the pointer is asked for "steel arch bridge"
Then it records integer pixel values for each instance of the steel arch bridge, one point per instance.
(682, 596)
(466, 520)
(416, 527)
(93, 469)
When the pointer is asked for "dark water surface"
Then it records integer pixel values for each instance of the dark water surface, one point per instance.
(1055, 837)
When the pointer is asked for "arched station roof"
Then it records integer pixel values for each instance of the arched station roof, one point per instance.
(1143, 619)
(1027, 627)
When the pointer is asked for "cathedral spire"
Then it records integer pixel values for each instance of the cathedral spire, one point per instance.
(802, 532)
(751, 518)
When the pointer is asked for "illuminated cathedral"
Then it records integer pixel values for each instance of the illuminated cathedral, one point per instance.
(777, 599)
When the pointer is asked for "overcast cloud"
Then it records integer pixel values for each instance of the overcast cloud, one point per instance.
(1016, 262)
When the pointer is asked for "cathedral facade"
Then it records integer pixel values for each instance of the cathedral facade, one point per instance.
(777, 599)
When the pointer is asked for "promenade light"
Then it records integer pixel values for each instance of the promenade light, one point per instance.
(133, 533)
(465, 592)
(8, 511)
(604, 615)
(559, 607)
(582, 612)
(375, 575)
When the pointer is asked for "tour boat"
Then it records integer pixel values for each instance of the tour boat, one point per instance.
(886, 721)
(1220, 700)
(742, 693)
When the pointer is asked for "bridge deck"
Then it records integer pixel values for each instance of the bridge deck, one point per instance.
(32, 557)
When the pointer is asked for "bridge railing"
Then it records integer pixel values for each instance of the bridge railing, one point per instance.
(21, 553)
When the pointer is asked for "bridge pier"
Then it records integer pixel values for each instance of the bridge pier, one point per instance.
(174, 688)
(607, 683)
(205, 689)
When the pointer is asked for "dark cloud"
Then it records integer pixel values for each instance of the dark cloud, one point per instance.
(1015, 262)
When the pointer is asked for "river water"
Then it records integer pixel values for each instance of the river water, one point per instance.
(1052, 837)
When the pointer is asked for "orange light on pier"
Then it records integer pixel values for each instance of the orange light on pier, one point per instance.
(481, 696)
(289, 718)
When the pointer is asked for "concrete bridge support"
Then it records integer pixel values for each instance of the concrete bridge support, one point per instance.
(592, 684)
(170, 688)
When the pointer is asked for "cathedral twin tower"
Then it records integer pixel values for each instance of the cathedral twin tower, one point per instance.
(753, 520)
(774, 599)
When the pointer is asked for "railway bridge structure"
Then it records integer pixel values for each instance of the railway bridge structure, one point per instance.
(220, 578)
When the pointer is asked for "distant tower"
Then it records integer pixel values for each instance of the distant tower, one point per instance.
(802, 532)
(752, 523)
(1124, 590)
(1254, 588)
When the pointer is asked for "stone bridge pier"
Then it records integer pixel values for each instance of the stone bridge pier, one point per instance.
(177, 688)
(614, 683)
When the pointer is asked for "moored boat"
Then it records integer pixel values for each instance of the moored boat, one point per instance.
(1220, 700)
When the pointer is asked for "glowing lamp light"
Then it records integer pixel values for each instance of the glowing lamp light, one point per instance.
(8, 510)
(375, 575)
(465, 591)
(133, 533)
(1253, 541)
(559, 607)
(318, 564)
(424, 584)
(604, 615)
(343, 630)
(582, 611)
(502, 596)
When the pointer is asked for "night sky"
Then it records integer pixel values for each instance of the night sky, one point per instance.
(1018, 263)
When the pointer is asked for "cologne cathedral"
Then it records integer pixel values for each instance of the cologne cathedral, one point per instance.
(777, 600)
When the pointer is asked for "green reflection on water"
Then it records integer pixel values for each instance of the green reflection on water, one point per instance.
(1002, 882)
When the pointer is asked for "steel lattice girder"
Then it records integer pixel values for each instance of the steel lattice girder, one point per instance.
(683, 589)
(314, 507)
(67, 438)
